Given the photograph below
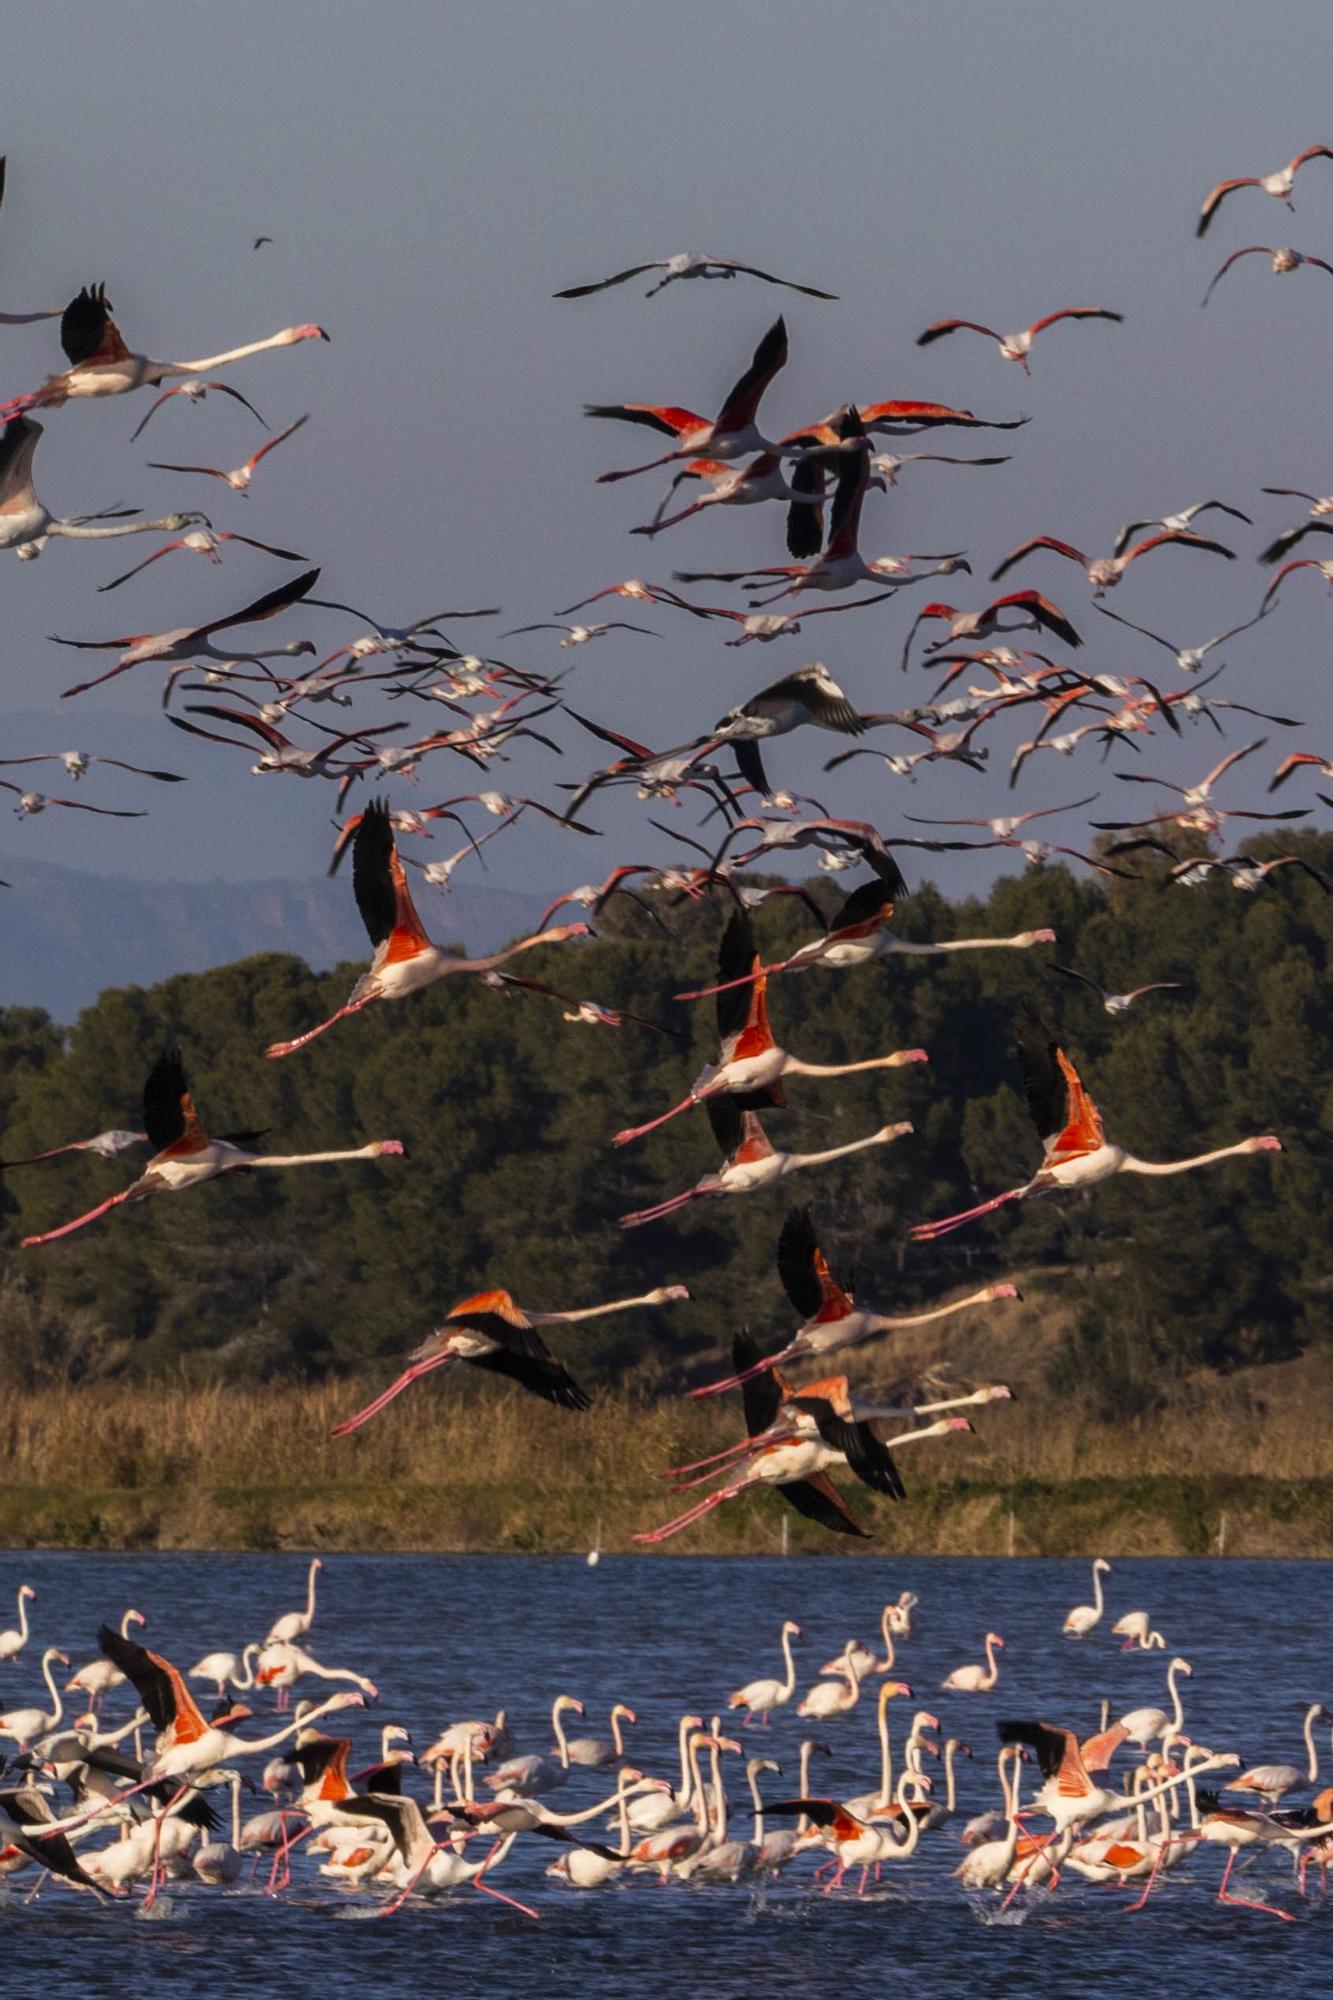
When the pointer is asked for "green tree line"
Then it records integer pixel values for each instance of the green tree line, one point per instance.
(507, 1112)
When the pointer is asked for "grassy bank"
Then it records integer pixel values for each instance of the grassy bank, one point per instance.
(1246, 1459)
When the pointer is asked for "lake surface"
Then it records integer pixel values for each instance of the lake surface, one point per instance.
(452, 1637)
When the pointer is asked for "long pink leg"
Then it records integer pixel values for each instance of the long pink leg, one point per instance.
(662, 1208)
(80, 1221)
(926, 1232)
(691, 1514)
(1130, 1908)
(276, 1049)
(486, 1890)
(735, 1381)
(156, 1877)
(638, 1131)
(715, 1458)
(1243, 1902)
(386, 1396)
(702, 1478)
(746, 979)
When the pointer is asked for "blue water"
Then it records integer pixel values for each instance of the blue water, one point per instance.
(453, 1637)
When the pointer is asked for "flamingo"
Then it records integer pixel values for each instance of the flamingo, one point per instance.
(239, 480)
(1299, 760)
(405, 959)
(977, 1679)
(830, 1317)
(225, 1668)
(750, 1160)
(1021, 611)
(189, 643)
(1291, 538)
(23, 1724)
(183, 1154)
(1141, 1725)
(1282, 260)
(733, 433)
(1014, 346)
(1080, 1621)
(1076, 1152)
(15, 1639)
(580, 635)
(77, 764)
(870, 1805)
(759, 1698)
(294, 1625)
(1273, 1781)
(888, 464)
(858, 934)
(752, 485)
(855, 1843)
(32, 803)
(1325, 570)
(595, 1753)
(100, 1676)
(27, 526)
(1279, 184)
(988, 1860)
(27, 1828)
(688, 264)
(194, 393)
(282, 1663)
(204, 542)
(1235, 1827)
(751, 1064)
(1135, 1628)
(102, 365)
(1104, 572)
(1119, 1003)
(490, 1331)
(810, 695)
(829, 1696)
(526, 1777)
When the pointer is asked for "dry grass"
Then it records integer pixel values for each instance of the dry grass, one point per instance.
(470, 1465)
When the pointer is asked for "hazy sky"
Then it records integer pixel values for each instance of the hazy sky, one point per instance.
(432, 173)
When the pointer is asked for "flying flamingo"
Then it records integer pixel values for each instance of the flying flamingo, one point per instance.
(858, 934)
(1279, 184)
(102, 365)
(1014, 346)
(751, 1065)
(1291, 538)
(977, 1679)
(26, 525)
(750, 1161)
(830, 1318)
(77, 763)
(1283, 260)
(688, 264)
(491, 1332)
(589, 1012)
(733, 433)
(797, 1467)
(98, 1677)
(1104, 572)
(30, 803)
(1119, 1003)
(188, 643)
(1021, 611)
(1185, 518)
(1197, 812)
(195, 393)
(1004, 826)
(1189, 659)
(183, 1154)
(751, 485)
(1076, 1153)
(854, 1842)
(405, 959)
(579, 635)
(281, 754)
(1300, 760)
(1302, 562)
(239, 480)
(202, 542)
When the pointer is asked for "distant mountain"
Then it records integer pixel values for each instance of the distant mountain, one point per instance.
(68, 934)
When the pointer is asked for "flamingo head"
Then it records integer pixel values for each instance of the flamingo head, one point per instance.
(1266, 1144)
(667, 1294)
(295, 333)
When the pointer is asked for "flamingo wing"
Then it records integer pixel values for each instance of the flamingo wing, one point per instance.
(818, 1499)
(1250, 250)
(938, 328)
(1291, 538)
(1213, 200)
(725, 1117)
(742, 403)
(379, 884)
(605, 284)
(850, 491)
(868, 907)
(169, 1116)
(668, 418)
(274, 442)
(1037, 542)
(1066, 1119)
(159, 1686)
(1043, 611)
(1052, 1747)
(1074, 312)
(18, 444)
(737, 959)
(789, 284)
(88, 333)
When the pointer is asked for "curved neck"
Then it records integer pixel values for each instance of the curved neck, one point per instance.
(54, 1690)
(1312, 1771)
(557, 1711)
(686, 1792)
(992, 1669)
(616, 1737)
(789, 1683)
(752, 1779)
(1178, 1713)
(246, 1677)
(885, 1758)
(718, 1816)
(1097, 1589)
(23, 1616)
(886, 1666)
(310, 1594)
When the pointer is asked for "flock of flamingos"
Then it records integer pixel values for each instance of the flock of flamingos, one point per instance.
(134, 1811)
(249, 696)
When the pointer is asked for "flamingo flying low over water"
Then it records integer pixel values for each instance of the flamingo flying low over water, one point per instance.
(102, 365)
(405, 959)
(183, 1154)
(491, 1332)
(751, 1065)
(1076, 1151)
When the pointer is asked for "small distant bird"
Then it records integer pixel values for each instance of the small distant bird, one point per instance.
(105, 1145)
(1104, 572)
(31, 803)
(1291, 538)
(202, 542)
(1013, 346)
(1173, 523)
(888, 464)
(239, 480)
(196, 392)
(1279, 185)
(1284, 259)
(686, 264)
(259, 240)
(77, 762)
(1189, 659)
(579, 635)
(1118, 1003)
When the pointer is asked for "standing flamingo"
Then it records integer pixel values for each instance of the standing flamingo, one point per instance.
(1083, 1617)
(405, 959)
(759, 1698)
(977, 1679)
(1076, 1153)
(184, 1156)
(102, 365)
(294, 1625)
(23, 1724)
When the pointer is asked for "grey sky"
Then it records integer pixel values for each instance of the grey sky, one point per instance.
(432, 173)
